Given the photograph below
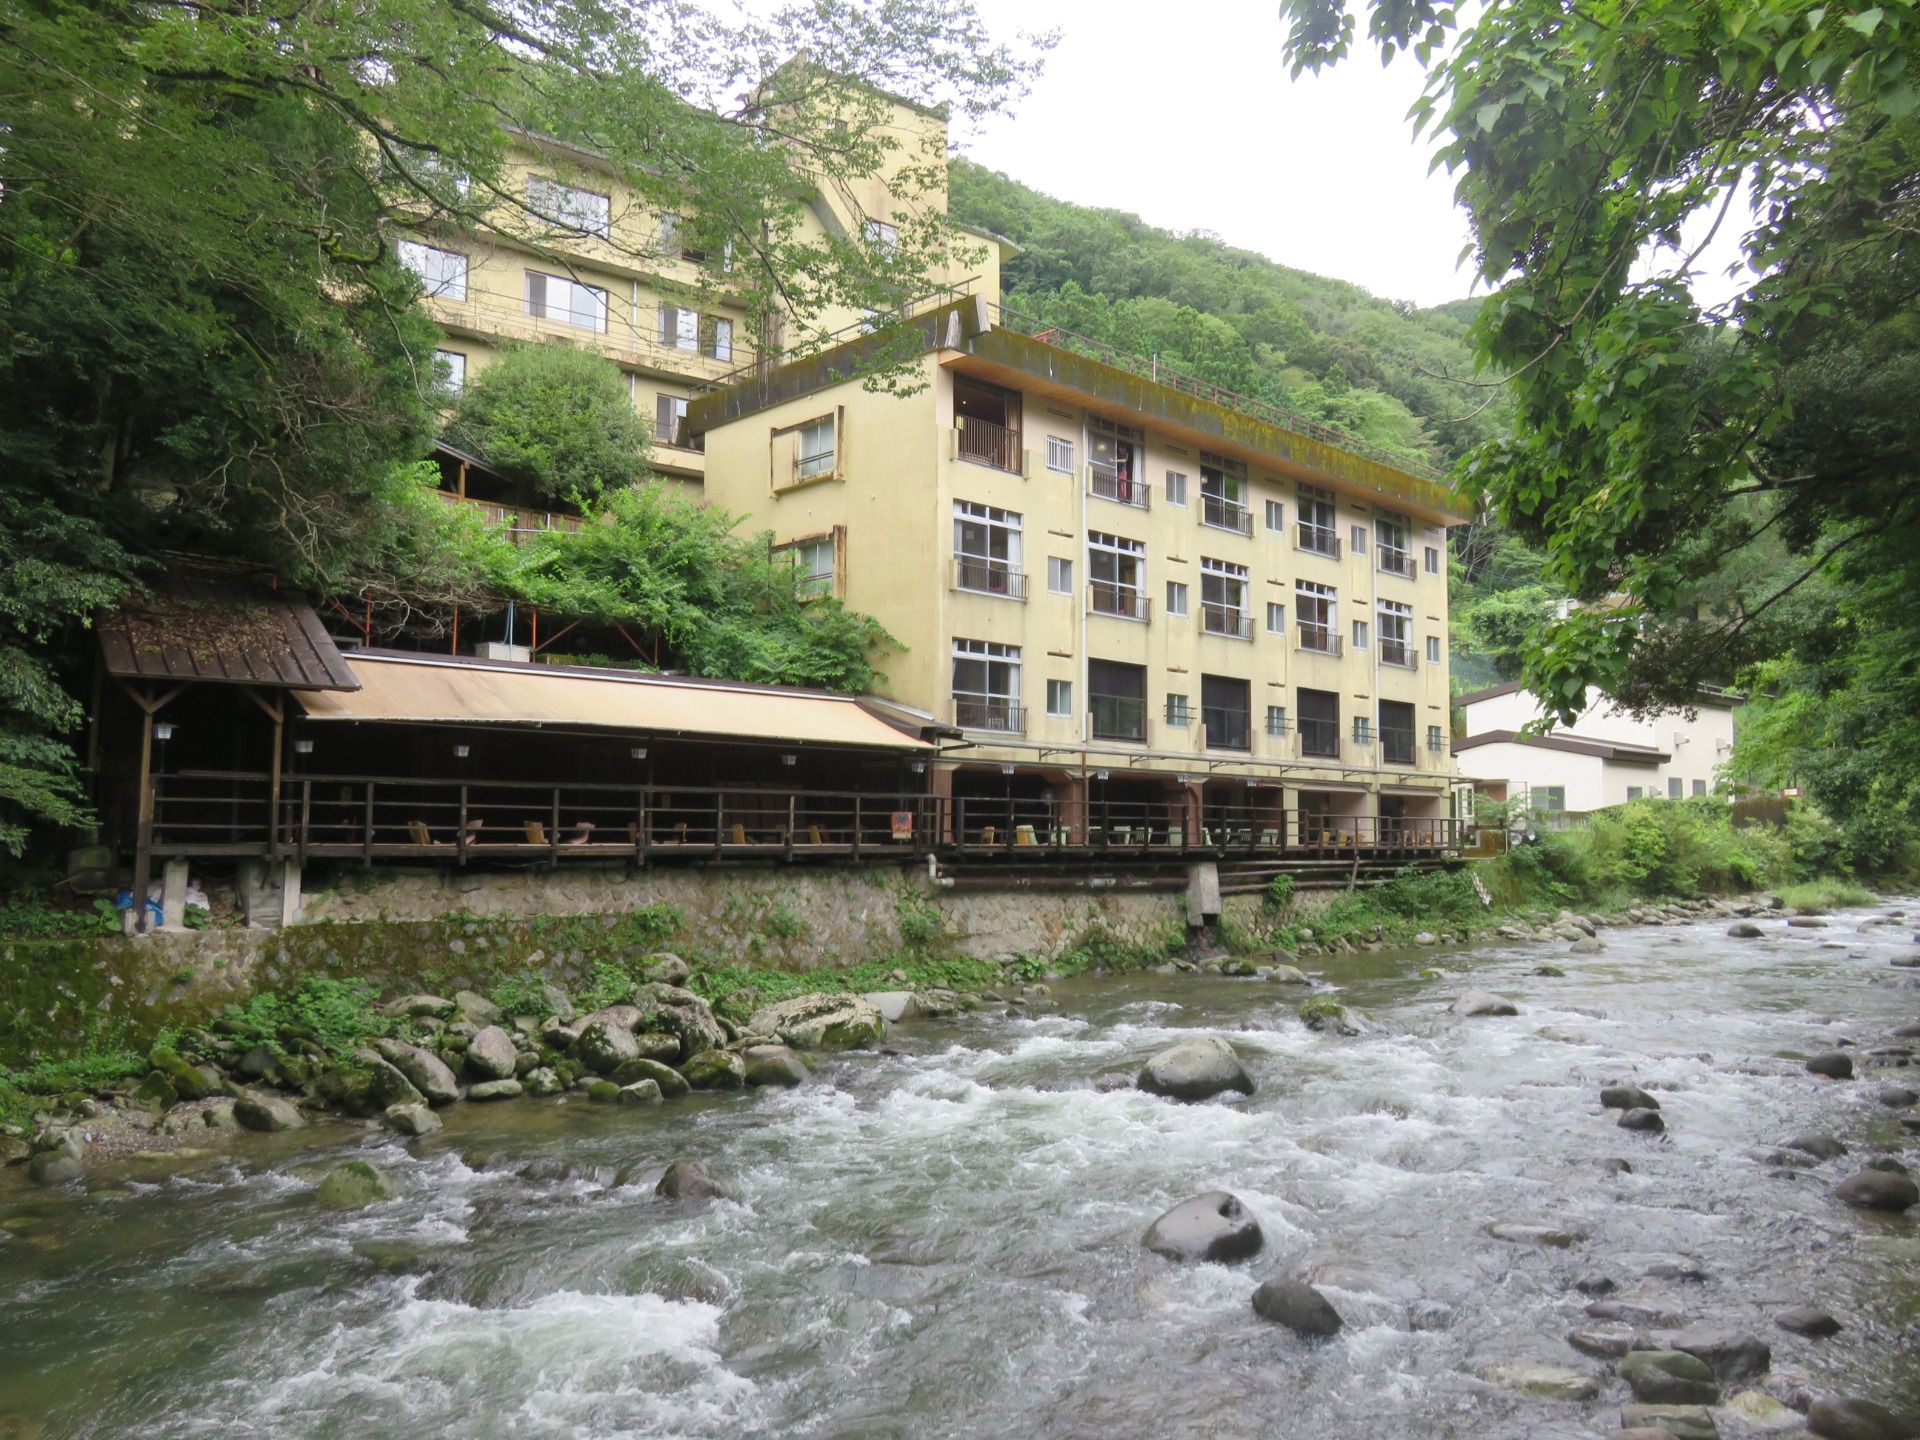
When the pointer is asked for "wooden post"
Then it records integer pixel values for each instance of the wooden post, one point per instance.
(273, 787)
(641, 839)
(306, 817)
(460, 835)
(793, 810)
(366, 832)
(856, 827)
(143, 828)
(553, 832)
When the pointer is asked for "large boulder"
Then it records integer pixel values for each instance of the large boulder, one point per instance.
(1669, 1377)
(1838, 1418)
(1213, 1226)
(266, 1112)
(1195, 1069)
(472, 1006)
(1878, 1190)
(424, 1070)
(690, 1180)
(715, 1070)
(604, 1045)
(352, 1186)
(893, 1005)
(773, 1065)
(1673, 1422)
(411, 1119)
(640, 1092)
(1624, 1096)
(1549, 1382)
(670, 1010)
(508, 1089)
(1745, 930)
(671, 1082)
(490, 1054)
(1298, 1306)
(821, 1022)
(1730, 1354)
(1832, 1064)
(59, 1158)
(665, 968)
(1480, 1002)
(421, 1007)
(188, 1083)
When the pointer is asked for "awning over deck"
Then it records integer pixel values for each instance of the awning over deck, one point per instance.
(409, 689)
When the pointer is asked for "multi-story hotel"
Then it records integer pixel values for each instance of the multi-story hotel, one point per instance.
(1130, 599)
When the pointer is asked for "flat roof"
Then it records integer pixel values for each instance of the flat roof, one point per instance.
(1707, 695)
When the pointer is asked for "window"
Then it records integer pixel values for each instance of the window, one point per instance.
(1433, 649)
(1276, 516)
(1059, 697)
(426, 170)
(1117, 573)
(1675, 787)
(1176, 488)
(1059, 575)
(1276, 719)
(1392, 542)
(988, 421)
(582, 211)
(666, 240)
(1362, 730)
(1319, 712)
(1177, 710)
(814, 450)
(1225, 713)
(1433, 560)
(1554, 797)
(1634, 792)
(1396, 732)
(1223, 494)
(1359, 634)
(986, 686)
(1396, 634)
(716, 337)
(443, 273)
(1699, 787)
(554, 297)
(882, 238)
(1176, 597)
(1059, 455)
(1276, 618)
(679, 328)
(450, 370)
(669, 415)
(1117, 698)
(1114, 457)
(986, 551)
(1316, 533)
(1314, 612)
(1359, 540)
(1223, 599)
(1436, 740)
(815, 560)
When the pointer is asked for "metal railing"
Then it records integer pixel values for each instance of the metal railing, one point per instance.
(1227, 729)
(1319, 639)
(1224, 514)
(1105, 482)
(1399, 652)
(1317, 540)
(1118, 717)
(1395, 835)
(1124, 601)
(1229, 620)
(518, 520)
(986, 443)
(1320, 738)
(990, 712)
(1395, 562)
(988, 577)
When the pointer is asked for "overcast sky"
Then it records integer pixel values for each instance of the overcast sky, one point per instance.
(1183, 114)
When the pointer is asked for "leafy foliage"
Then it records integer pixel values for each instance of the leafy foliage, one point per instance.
(336, 1015)
(556, 417)
(30, 917)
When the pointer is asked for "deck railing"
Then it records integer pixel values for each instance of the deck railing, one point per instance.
(986, 443)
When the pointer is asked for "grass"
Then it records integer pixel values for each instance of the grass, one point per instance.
(1816, 897)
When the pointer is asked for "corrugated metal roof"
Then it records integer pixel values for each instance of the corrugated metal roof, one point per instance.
(200, 630)
(435, 690)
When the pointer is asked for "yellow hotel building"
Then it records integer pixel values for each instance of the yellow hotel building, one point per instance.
(1148, 613)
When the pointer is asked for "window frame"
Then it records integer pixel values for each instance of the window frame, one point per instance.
(446, 286)
(456, 378)
(1059, 455)
(1177, 598)
(988, 654)
(1060, 699)
(1007, 527)
(565, 213)
(1176, 488)
(1059, 575)
(570, 290)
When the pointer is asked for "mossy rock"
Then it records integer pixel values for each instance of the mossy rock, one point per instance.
(715, 1070)
(603, 1092)
(352, 1185)
(1323, 1012)
(671, 1082)
(188, 1083)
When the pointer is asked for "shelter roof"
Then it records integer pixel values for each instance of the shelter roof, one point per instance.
(202, 630)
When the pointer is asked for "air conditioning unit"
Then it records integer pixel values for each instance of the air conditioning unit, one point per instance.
(500, 650)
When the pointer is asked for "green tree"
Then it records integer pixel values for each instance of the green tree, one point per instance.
(556, 417)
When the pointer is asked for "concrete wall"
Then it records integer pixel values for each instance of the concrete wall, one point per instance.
(1698, 747)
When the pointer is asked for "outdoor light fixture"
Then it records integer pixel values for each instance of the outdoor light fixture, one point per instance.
(1099, 774)
(638, 752)
(460, 752)
(789, 759)
(163, 730)
(919, 767)
(303, 747)
(1006, 769)
(1186, 779)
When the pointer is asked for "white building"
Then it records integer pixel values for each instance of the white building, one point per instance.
(1606, 757)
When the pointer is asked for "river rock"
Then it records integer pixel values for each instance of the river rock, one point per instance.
(1877, 1190)
(490, 1054)
(1762, 1411)
(640, 1092)
(1518, 1233)
(1833, 1064)
(773, 1065)
(1745, 930)
(1633, 1312)
(1669, 1377)
(352, 1186)
(1897, 1097)
(427, 1072)
(1908, 961)
(421, 1007)
(476, 1008)
(385, 1084)
(671, 1082)
(413, 1119)
(822, 1022)
(715, 1070)
(1806, 922)
(893, 1005)
(1644, 1120)
(1731, 1354)
(1323, 1012)
(1213, 1226)
(1808, 1320)
(665, 968)
(601, 1092)
(1480, 1002)
(1298, 1306)
(1838, 1418)
(1626, 1097)
(508, 1089)
(623, 1014)
(266, 1112)
(1550, 1382)
(604, 1046)
(187, 1082)
(1821, 1147)
(1679, 1422)
(1586, 945)
(670, 1010)
(1609, 1344)
(1287, 975)
(59, 1158)
(1195, 1069)
(542, 1080)
(690, 1180)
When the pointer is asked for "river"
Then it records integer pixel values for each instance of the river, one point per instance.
(944, 1240)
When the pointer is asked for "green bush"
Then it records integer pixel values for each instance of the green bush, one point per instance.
(920, 922)
(1280, 892)
(28, 916)
(336, 1015)
(1816, 897)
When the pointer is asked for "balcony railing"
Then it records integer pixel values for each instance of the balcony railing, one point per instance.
(1229, 620)
(1399, 652)
(1317, 540)
(1119, 717)
(1395, 562)
(1224, 514)
(1227, 729)
(1396, 746)
(1321, 738)
(986, 443)
(1123, 601)
(989, 577)
(517, 520)
(1319, 639)
(989, 712)
(1105, 482)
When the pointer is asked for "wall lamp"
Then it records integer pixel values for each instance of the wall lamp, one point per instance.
(919, 767)
(638, 752)
(460, 752)
(163, 730)
(303, 747)
(789, 760)
(1006, 769)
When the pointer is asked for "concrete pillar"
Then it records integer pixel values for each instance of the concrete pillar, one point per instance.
(290, 896)
(173, 895)
(1203, 893)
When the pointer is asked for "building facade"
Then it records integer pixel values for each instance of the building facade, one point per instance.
(1124, 596)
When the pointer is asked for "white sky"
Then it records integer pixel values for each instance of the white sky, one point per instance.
(1184, 115)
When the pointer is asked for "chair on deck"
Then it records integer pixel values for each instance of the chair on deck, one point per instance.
(536, 832)
(582, 834)
(813, 835)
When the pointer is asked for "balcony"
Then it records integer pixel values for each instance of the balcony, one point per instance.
(1317, 540)
(1228, 620)
(1397, 746)
(1119, 717)
(1400, 653)
(1224, 514)
(984, 443)
(1320, 738)
(517, 520)
(979, 576)
(1105, 482)
(1123, 602)
(1317, 640)
(990, 712)
(1395, 562)
(1227, 729)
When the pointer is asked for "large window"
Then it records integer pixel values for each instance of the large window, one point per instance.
(1318, 530)
(1117, 698)
(1115, 454)
(684, 329)
(988, 420)
(716, 337)
(1117, 573)
(1223, 494)
(1393, 544)
(1223, 599)
(1396, 635)
(1396, 732)
(986, 686)
(882, 238)
(986, 551)
(814, 559)
(1554, 797)
(1319, 712)
(582, 211)
(451, 369)
(1225, 709)
(1316, 618)
(554, 297)
(815, 450)
(443, 273)
(669, 415)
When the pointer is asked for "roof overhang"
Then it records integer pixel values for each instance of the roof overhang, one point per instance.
(196, 631)
(1617, 751)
